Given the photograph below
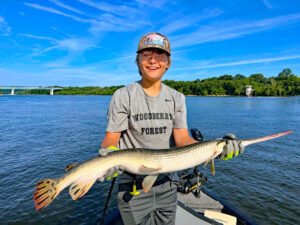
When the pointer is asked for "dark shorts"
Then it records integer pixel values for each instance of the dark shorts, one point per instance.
(158, 206)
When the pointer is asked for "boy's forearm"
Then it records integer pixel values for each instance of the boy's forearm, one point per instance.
(111, 139)
(182, 137)
(186, 141)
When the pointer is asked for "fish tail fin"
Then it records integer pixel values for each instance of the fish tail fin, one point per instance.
(79, 188)
(256, 140)
(45, 192)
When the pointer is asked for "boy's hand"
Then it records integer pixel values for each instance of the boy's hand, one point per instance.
(232, 148)
(112, 172)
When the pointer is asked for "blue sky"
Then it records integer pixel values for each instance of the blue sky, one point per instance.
(93, 43)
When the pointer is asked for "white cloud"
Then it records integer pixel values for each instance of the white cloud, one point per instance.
(116, 17)
(38, 37)
(190, 20)
(51, 10)
(105, 22)
(73, 44)
(231, 29)
(242, 62)
(5, 30)
(267, 4)
(68, 7)
(115, 9)
(109, 22)
(154, 3)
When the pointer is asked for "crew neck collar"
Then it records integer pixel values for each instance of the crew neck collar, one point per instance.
(148, 96)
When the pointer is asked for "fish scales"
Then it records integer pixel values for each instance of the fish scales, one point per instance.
(137, 161)
(170, 160)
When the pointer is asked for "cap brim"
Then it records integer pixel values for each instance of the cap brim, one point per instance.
(153, 46)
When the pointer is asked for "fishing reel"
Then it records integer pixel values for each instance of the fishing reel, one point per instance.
(191, 182)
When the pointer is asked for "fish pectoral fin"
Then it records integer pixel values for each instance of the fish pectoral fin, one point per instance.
(147, 168)
(148, 182)
(71, 166)
(79, 188)
(212, 167)
(207, 162)
(210, 158)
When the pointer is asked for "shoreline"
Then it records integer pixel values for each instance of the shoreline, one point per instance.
(185, 95)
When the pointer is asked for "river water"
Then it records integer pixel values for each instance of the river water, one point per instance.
(40, 135)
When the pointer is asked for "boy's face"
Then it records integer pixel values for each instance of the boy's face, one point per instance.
(153, 64)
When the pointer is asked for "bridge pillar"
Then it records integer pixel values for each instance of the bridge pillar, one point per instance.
(12, 91)
(51, 92)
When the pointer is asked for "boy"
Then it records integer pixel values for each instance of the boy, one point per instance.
(147, 114)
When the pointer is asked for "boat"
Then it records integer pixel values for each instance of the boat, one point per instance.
(196, 205)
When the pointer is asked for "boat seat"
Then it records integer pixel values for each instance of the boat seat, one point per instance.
(204, 202)
(184, 217)
(221, 217)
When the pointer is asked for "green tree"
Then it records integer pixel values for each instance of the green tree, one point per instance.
(284, 74)
(239, 77)
(258, 77)
(237, 91)
(225, 77)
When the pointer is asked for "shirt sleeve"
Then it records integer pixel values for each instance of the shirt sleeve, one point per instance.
(118, 112)
(180, 113)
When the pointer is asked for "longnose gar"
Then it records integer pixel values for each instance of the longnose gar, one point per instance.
(137, 161)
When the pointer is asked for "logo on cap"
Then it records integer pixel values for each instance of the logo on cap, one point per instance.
(154, 39)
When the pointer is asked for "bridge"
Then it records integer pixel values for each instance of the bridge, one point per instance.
(30, 88)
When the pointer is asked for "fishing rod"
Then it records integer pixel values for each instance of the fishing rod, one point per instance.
(107, 200)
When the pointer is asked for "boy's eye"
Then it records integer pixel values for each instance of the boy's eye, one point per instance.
(158, 57)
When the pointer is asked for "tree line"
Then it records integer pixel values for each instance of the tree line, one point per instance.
(88, 90)
(285, 84)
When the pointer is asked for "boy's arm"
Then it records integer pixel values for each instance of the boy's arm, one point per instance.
(111, 139)
(182, 137)
(109, 144)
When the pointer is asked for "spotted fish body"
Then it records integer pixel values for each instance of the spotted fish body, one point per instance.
(137, 161)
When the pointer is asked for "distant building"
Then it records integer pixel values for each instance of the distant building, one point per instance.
(249, 90)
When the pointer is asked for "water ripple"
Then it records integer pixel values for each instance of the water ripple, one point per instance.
(42, 134)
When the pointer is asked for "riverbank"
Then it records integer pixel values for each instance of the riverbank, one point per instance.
(284, 85)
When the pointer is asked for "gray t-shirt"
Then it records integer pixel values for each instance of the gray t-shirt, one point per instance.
(145, 121)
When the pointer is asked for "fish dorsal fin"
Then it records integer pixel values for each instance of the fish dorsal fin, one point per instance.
(212, 167)
(71, 166)
(148, 182)
(79, 188)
